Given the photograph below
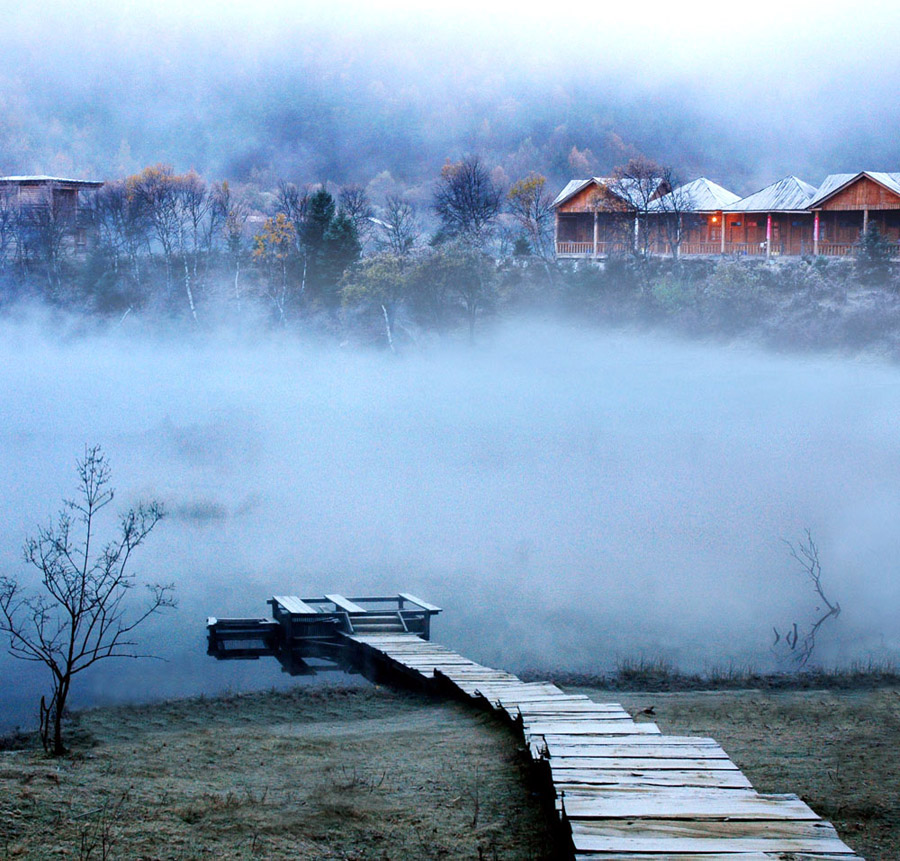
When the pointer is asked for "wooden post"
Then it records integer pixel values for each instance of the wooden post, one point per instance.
(722, 237)
(556, 234)
(596, 232)
(637, 229)
(768, 237)
(816, 234)
(865, 222)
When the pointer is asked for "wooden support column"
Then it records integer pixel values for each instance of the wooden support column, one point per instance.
(865, 222)
(722, 237)
(816, 234)
(596, 232)
(637, 231)
(768, 237)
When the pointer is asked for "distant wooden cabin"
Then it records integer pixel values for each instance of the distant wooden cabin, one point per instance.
(688, 220)
(789, 218)
(598, 216)
(846, 204)
(42, 202)
(774, 221)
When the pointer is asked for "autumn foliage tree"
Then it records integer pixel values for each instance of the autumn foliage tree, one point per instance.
(273, 247)
(530, 205)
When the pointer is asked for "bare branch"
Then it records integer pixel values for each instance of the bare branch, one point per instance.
(82, 616)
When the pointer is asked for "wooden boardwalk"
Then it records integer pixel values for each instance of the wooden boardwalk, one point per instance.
(622, 788)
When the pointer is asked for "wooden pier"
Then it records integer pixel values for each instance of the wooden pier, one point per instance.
(621, 788)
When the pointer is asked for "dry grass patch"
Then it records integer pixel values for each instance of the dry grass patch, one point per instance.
(338, 773)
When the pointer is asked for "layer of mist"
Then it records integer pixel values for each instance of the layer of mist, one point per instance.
(572, 498)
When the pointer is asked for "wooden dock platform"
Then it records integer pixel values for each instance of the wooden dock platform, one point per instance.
(621, 788)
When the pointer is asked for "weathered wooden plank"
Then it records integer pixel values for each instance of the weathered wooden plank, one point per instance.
(588, 727)
(562, 755)
(681, 802)
(661, 848)
(435, 661)
(293, 604)
(571, 778)
(710, 829)
(704, 836)
(388, 638)
(647, 741)
(473, 677)
(523, 699)
(419, 602)
(629, 744)
(572, 708)
(731, 856)
(635, 763)
(574, 719)
(345, 604)
(510, 692)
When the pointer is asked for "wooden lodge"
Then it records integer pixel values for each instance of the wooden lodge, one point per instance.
(45, 205)
(596, 217)
(789, 218)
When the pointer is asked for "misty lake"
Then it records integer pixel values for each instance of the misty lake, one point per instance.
(572, 498)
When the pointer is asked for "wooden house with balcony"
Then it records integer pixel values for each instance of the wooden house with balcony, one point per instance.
(847, 204)
(48, 207)
(688, 220)
(599, 216)
(774, 221)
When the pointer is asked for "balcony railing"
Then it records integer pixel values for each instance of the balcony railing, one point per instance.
(708, 249)
(589, 249)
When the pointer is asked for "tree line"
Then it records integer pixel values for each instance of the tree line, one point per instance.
(160, 240)
(391, 270)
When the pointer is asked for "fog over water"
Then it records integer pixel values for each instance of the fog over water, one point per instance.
(570, 497)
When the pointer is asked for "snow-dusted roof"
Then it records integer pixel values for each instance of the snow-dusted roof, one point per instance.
(787, 195)
(836, 181)
(701, 195)
(42, 178)
(572, 188)
(626, 189)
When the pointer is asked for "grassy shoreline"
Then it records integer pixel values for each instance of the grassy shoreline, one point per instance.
(371, 773)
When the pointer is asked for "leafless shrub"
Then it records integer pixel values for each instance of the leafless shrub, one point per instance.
(800, 642)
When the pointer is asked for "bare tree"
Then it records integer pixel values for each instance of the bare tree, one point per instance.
(672, 214)
(294, 203)
(44, 226)
(399, 229)
(355, 204)
(801, 644)
(81, 615)
(468, 201)
(638, 184)
(232, 212)
(122, 224)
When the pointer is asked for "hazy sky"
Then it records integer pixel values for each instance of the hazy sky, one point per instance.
(345, 90)
(690, 34)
